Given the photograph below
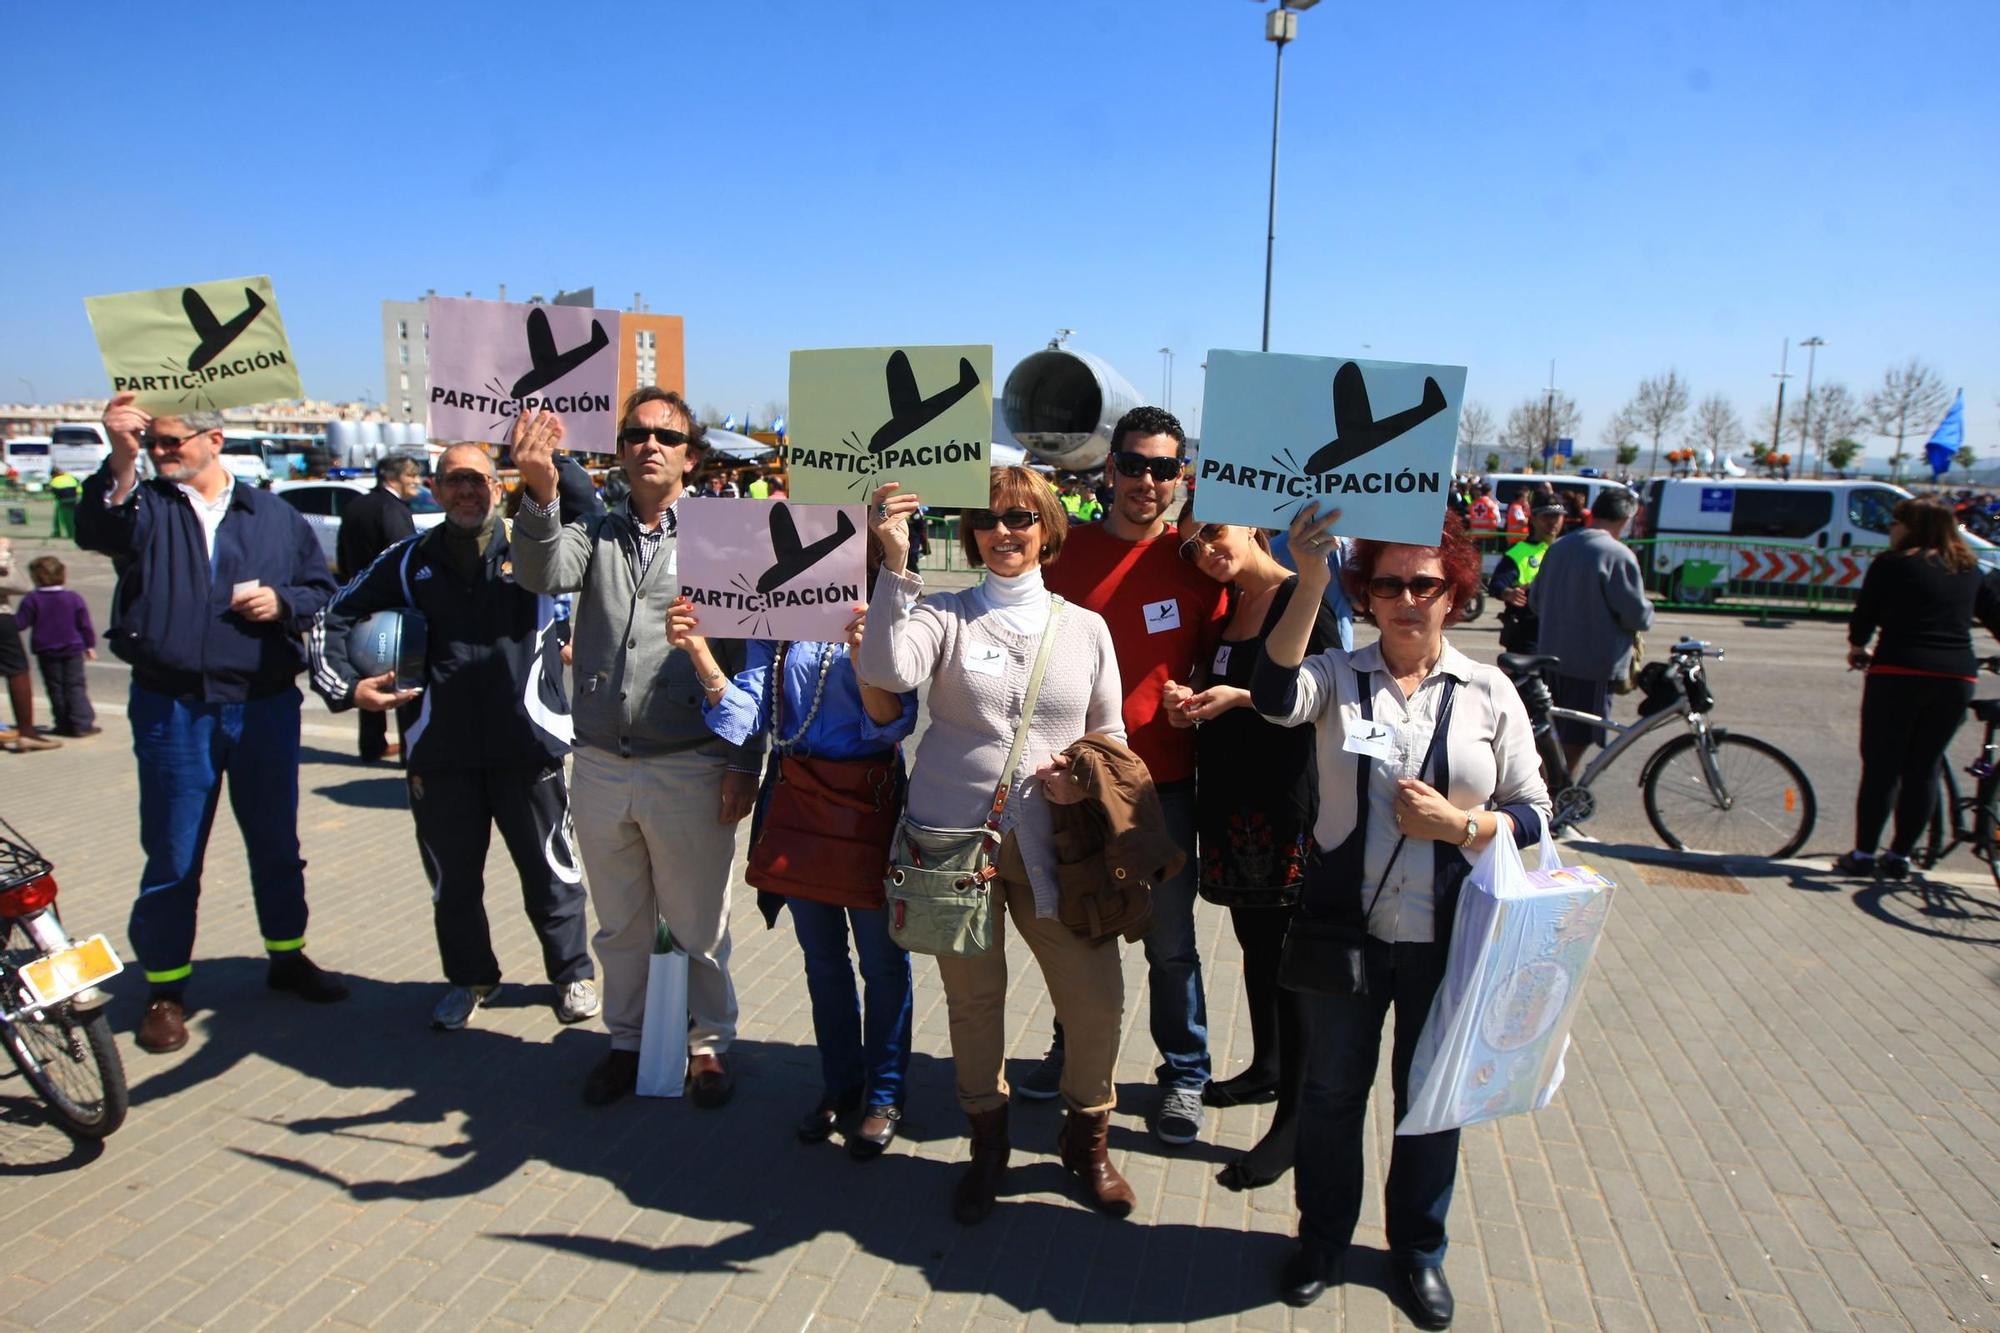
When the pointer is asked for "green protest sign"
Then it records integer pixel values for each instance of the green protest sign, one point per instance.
(919, 416)
(196, 348)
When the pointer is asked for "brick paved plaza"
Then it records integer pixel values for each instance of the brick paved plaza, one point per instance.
(1780, 1112)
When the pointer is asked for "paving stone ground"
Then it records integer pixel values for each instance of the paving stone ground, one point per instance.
(1780, 1112)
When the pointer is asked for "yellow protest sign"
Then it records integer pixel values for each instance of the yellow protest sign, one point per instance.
(196, 348)
(919, 416)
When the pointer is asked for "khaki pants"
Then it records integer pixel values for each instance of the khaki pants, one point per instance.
(652, 847)
(1084, 980)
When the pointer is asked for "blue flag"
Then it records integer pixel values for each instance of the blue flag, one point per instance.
(1947, 439)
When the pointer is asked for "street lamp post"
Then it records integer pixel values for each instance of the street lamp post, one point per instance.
(1778, 421)
(1812, 346)
(1281, 25)
(1167, 378)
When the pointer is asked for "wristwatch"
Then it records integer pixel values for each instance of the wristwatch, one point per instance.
(1471, 829)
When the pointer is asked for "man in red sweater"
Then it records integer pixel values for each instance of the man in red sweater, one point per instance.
(1166, 617)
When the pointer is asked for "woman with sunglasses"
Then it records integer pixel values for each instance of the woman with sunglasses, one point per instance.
(1255, 815)
(1424, 757)
(976, 648)
(846, 737)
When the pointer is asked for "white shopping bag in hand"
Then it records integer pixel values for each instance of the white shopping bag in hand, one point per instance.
(1521, 946)
(663, 1033)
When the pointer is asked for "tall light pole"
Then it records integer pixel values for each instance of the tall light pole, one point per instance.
(1778, 421)
(1549, 422)
(1812, 346)
(33, 397)
(1167, 378)
(1281, 25)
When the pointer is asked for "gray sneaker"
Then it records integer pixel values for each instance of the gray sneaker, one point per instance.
(1043, 1083)
(454, 1011)
(577, 1001)
(1178, 1118)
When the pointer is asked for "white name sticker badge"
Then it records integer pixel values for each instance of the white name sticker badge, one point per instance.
(1163, 616)
(1373, 739)
(988, 659)
(1221, 667)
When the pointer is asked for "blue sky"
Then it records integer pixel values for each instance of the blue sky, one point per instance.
(1620, 187)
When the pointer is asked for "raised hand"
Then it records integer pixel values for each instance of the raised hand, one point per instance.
(889, 512)
(125, 423)
(532, 445)
(1311, 540)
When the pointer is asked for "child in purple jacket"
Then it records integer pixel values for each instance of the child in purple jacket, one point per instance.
(62, 640)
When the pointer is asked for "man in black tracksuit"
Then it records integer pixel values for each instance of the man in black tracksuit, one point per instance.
(370, 525)
(485, 737)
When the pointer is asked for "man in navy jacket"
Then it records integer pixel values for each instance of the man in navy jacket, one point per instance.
(216, 581)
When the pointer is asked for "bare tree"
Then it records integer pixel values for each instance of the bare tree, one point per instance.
(1655, 411)
(1910, 399)
(1534, 420)
(1832, 414)
(1475, 428)
(1716, 427)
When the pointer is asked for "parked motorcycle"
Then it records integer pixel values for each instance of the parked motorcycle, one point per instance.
(53, 1017)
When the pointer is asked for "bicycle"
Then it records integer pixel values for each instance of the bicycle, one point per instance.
(1710, 790)
(1982, 835)
(52, 1013)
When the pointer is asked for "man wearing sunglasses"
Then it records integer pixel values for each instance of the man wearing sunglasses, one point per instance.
(1166, 617)
(657, 842)
(487, 730)
(216, 582)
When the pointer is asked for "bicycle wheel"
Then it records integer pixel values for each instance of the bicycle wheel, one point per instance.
(72, 1061)
(1986, 826)
(1766, 805)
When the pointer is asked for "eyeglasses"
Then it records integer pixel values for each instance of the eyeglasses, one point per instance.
(1202, 544)
(985, 520)
(154, 440)
(1141, 465)
(1421, 589)
(634, 436)
(466, 478)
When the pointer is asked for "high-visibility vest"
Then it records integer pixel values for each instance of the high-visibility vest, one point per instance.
(1517, 518)
(1485, 514)
(760, 489)
(64, 485)
(1527, 558)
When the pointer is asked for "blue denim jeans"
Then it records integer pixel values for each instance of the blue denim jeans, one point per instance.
(864, 1041)
(1173, 962)
(1343, 1042)
(185, 749)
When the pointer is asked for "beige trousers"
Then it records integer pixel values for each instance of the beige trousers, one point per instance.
(652, 848)
(1084, 980)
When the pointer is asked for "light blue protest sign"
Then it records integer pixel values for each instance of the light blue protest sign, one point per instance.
(1373, 439)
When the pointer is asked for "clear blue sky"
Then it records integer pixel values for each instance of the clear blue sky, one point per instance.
(1620, 187)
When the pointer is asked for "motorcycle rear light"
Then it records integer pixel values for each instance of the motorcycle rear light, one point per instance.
(30, 897)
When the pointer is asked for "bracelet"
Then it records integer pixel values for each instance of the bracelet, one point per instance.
(715, 682)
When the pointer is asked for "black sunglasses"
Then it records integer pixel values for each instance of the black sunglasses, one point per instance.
(634, 436)
(985, 520)
(156, 441)
(1421, 589)
(1140, 465)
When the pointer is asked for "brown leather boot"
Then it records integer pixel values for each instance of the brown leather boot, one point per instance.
(973, 1199)
(1085, 1157)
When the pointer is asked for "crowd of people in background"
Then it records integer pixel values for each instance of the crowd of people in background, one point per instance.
(1195, 687)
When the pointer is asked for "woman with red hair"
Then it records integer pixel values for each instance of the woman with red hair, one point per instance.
(1416, 744)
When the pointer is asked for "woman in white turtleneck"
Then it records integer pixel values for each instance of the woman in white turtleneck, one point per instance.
(975, 649)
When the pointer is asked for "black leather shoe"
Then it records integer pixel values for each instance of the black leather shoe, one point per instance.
(709, 1082)
(1431, 1305)
(294, 972)
(614, 1076)
(875, 1133)
(1249, 1088)
(828, 1116)
(1305, 1276)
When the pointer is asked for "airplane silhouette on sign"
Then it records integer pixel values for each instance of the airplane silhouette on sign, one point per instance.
(909, 410)
(794, 559)
(1356, 429)
(549, 364)
(213, 333)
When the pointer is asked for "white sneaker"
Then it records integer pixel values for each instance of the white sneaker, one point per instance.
(454, 1011)
(577, 1001)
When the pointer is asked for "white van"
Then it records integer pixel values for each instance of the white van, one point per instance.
(1508, 485)
(78, 447)
(1805, 533)
(28, 457)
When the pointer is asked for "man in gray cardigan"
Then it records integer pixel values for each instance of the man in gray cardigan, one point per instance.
(655, 842)
(1591, 600)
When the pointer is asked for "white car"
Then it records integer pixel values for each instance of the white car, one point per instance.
(322, 502)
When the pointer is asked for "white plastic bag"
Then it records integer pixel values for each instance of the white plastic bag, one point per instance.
(1521, 947)
(663, 1033)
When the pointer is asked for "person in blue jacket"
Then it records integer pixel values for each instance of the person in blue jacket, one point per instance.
(216, 582)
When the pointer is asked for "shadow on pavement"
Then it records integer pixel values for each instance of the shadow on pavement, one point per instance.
(383, 793)
(31, 1142)
(721, 1190)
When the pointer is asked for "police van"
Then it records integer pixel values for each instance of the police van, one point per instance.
(1711, 533)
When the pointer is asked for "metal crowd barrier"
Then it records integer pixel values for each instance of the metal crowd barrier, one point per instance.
(1760, 578)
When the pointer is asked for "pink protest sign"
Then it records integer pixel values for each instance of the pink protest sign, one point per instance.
(769, 569)
(492, 360)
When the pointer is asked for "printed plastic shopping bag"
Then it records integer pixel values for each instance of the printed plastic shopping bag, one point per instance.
(1521, 947)
(663, 1034)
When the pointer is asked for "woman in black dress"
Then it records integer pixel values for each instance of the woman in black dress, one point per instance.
(1255, 816)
